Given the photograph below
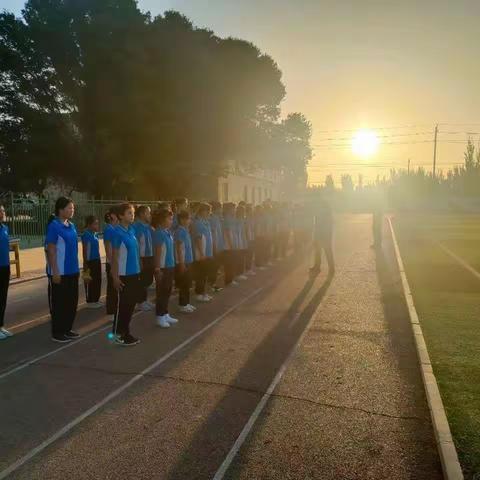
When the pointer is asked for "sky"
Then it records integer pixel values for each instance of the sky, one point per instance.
(353, 64)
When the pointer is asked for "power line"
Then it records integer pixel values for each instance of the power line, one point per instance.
(375, 128)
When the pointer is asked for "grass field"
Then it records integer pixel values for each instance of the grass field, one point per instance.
(447, 298)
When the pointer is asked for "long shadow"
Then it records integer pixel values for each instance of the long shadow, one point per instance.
(403, 347)
(213, 440)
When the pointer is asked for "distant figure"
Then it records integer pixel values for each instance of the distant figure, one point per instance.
(322, 236)
(377, 223)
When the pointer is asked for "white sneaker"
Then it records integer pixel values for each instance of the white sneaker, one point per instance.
(234, 283)
(202, 298)
(208, 297)
(242, 277)
(162, 321)
(6, 332)
(171, 320)
(3, 336)
(185, 309)
(145, 306)
(192, 307)
(262, 268)
(251, 273)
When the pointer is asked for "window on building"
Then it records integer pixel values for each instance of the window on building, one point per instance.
(245, 193)
(225, 192)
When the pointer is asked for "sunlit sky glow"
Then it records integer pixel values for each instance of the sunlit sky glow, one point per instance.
(362, 64)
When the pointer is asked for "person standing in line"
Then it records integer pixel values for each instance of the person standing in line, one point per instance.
(241, 243)
(229, 243)
(269, 237)
(259, 232)
(61, 245)
(111, 223)
(203, 249)
(92, 264)
(164, 265)
(125, 271)
(144, 232)
(178, 205)
(184, 260)
(4, 272)
(250, 235)
(323, 237)
(215, 221)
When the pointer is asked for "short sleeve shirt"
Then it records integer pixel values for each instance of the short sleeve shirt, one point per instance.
(143, 232)
(183, 237)
(201, 230)
(91, 243)
(65, 238)
(108, 233)
(4, 246)
(163, 238)
(217, 232)
(126, 243)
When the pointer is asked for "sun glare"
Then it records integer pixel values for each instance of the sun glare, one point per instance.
(365, 143)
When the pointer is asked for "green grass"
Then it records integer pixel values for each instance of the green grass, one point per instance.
(447, 298)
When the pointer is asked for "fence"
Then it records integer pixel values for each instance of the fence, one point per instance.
(27, 218)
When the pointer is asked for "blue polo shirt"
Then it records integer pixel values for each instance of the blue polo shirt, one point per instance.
(201, 230)
(250, 226)
(240, 234)
(92, 246)
(126, 243)
(229, 227)
(217, 232)
(162, 238)
(143, 232)
(183, 237)
(64, 236)
(4, 246)
(108, 233)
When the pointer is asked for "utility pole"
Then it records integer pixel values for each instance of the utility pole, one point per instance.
(435, 151)
(408, 168)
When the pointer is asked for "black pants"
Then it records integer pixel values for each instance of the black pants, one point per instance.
(164, 290)
(112, 294)
(324, 244)
(63, 302)
(127, 298)
(229, 265)
(240, 257)
(249, 256)
(214, 264)
(183, 281)
(259, 251)
(200, 269)
(146, 277)
(94, 286)
(4, 283)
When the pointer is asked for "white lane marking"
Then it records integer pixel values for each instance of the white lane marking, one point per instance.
(43, 318)
(35, 451)
(263, 401)
(460, 260)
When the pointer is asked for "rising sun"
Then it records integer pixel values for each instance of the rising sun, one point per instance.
(365, 143)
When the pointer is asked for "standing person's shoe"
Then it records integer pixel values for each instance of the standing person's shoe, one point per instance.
(127, 340)
(145, 306)
(216, 289)
(251, 273)
(262, 268)
(185, 309)
(61, 339)
(242, 277)
(171, 320)
(203, 298)
(192, 307)
(6, 332)
(162, 321)
(3, 336)
(99, 304)
(73, 335)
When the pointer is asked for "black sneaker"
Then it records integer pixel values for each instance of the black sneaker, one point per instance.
(127, 340)
(61, 339)
(71, 334)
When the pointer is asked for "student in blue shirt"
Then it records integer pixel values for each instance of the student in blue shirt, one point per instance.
(250, 235)
(260, 239)
(241, 244)
(215, 221)
(144, 232)
(164, 265)
(4, 272)
(203, 249)
(125, 274)
(61, 245)
(111, 222)
(92, 264)
(178, 205)
(184, 260)
(229, 244)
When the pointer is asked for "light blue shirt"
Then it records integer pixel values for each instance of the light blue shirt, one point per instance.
(126, 243)
(163, 238)
(64, 237)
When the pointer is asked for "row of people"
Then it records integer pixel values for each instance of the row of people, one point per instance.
(179, 244)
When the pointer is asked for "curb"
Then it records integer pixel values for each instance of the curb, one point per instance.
(25, 280)
(443, 437)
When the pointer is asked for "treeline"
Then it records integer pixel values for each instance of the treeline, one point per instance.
(101, 96)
